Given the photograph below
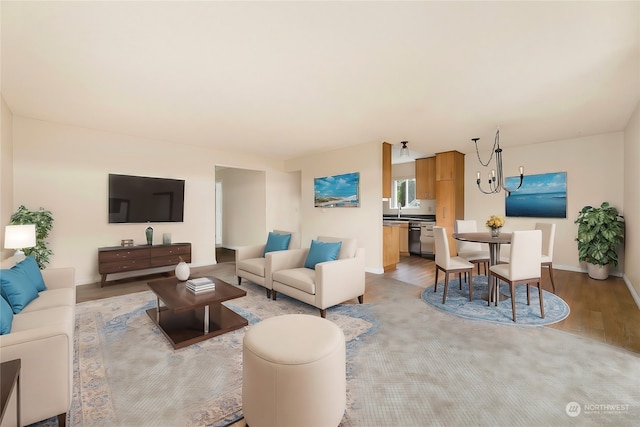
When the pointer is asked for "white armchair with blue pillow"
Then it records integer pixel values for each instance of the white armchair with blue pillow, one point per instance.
(254, 262)
(329, 272)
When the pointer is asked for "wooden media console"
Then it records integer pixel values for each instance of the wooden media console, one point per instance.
(120, 259)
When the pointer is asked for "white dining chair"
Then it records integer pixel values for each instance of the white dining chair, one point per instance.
(523, 268)
(476, 253)
(548, 238)
(449, 264)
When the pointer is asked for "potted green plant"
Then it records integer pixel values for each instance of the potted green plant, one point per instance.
(43, 219)
(600, 231)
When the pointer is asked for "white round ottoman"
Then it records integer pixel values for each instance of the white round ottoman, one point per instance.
(294, 372)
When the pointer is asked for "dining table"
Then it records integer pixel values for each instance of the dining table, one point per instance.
(494, 243)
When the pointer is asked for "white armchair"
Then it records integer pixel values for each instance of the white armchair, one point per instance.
(329, 284)
(254, 265)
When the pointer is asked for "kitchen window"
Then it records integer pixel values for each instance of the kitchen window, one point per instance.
(404, 194)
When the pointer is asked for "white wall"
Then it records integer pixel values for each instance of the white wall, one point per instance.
(632, 202)
(365, 222)
(6, 171)
(594, 175)
(65, 169)
(243, 206)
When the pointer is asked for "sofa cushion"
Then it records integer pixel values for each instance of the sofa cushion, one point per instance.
(29, 266)
(349, 245)
(322, 252)
(298, 278)
(51, 298)
(34, 320)
(17, 289)
(252, 265)
(6, 316)
(277, 242)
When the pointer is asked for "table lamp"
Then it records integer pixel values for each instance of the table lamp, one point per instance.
(19, 237)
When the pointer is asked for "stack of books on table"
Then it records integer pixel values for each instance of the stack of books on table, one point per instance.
(201, 284)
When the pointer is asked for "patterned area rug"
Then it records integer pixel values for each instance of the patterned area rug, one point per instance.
(127, 374)
(555, 309)
(413, 365)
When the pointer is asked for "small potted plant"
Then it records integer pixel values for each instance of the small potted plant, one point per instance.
(600, 231)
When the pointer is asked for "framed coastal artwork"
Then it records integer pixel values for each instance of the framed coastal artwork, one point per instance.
(337, 191)
(541, 196)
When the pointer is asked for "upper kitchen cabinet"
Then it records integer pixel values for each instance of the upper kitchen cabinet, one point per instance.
(386, 170)
(426, 178)
(449, 192)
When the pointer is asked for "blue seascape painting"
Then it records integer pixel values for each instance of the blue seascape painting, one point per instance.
(337, 191)
(541, 196)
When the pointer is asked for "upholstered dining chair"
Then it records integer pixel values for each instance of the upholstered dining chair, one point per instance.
(449, 264)
(523, 267)
(548, 237)
(476, 253)
(254, 262)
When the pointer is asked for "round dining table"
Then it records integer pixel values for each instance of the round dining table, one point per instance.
(494, 253)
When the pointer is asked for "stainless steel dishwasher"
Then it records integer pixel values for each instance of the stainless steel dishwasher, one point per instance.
(414, 238)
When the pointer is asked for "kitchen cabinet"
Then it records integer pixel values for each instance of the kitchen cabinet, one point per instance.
(386, 170)
(449, 192)
(426, 178)
(390, 246)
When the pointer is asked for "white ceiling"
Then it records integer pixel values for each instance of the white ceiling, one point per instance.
(287, 79)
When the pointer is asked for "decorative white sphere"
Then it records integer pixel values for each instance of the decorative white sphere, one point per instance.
(182, 271)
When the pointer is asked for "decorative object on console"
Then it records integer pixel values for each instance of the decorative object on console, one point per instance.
(600, 231)
(182, 270)
(496, 177)
(149, 234)
(495, 223)
(126, 242)
(337, 191)
(43, 220)
(166, 238)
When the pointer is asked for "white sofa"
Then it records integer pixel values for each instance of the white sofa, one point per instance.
(329, 284)
(253, 266)
(41, 337)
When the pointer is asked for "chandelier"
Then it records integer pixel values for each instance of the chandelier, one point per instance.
(496, 176)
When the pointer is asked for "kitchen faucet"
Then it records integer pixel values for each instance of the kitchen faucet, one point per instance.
(399, 209)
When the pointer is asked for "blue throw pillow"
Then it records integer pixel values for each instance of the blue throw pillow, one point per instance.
(6, 316)
(29, 266)
(321, 252)
(17, 289)
(276, 242)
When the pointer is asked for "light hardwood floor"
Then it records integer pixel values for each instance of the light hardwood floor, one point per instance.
(601, 310)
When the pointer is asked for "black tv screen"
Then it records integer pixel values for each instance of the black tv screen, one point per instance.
(135, 199)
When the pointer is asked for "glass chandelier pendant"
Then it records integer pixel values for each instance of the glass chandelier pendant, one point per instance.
(496, 176)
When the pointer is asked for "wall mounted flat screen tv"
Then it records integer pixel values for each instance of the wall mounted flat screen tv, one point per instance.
(136, 199)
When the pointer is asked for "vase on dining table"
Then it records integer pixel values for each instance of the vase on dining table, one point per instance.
(495, 232)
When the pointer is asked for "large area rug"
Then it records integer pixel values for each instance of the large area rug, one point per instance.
(408, 364)
(555, 309)
(129, 375)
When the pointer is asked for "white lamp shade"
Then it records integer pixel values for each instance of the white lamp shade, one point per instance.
(20, 236)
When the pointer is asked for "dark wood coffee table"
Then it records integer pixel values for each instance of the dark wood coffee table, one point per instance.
(187, 318)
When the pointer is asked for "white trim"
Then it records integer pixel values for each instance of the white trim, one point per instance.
(632, 290)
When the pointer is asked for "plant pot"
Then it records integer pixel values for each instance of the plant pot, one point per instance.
(598, 272)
